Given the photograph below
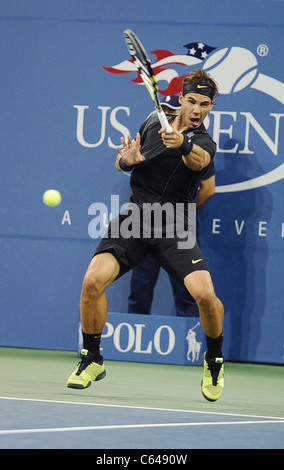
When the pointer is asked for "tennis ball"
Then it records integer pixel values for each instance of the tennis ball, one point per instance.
(51, 197)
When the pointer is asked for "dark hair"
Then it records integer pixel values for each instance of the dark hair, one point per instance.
(200, 78)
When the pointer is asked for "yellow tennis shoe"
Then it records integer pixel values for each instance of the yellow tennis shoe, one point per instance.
(86, 372)
(212, 384)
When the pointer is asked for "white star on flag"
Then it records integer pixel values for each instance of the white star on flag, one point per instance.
(200, 50)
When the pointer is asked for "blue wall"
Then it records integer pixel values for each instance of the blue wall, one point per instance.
(52, 75)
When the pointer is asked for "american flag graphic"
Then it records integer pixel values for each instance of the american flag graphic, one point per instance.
(199, 50)
(163, 66)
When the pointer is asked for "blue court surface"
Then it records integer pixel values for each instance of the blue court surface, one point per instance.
(137, 406)
(51, 425)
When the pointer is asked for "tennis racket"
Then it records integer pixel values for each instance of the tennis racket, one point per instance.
(144, 68)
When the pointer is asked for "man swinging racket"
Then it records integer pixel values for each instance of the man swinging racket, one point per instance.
(166, 169)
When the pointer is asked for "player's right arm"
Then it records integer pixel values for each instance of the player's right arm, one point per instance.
(197, 159)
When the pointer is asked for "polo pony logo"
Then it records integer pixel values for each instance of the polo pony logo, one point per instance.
(193, 346)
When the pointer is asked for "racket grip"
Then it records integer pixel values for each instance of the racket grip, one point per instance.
(164, 121)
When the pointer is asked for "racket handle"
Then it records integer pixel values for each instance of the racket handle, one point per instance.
(164, 121)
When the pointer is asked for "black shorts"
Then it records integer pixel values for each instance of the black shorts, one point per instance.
(177, 262)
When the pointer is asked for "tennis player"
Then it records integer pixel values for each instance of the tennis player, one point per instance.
(166, 169)
(145, 275)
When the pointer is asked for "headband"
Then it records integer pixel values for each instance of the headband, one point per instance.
(200, 89)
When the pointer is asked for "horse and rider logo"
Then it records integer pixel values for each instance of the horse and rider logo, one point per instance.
(193, 346)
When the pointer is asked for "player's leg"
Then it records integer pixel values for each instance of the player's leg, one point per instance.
(211, 312)
(102, 271)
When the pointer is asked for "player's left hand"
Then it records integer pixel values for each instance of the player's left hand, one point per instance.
(130, 152)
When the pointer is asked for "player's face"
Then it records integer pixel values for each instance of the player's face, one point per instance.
(194, 109)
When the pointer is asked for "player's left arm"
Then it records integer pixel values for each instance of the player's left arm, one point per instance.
(130, 154)
(206, 191)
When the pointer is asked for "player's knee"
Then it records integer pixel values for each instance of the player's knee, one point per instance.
(92, 286)
(206, 300)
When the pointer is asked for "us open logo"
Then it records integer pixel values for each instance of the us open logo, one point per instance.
(237, 71)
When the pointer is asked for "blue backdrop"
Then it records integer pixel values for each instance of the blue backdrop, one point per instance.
(67, 95)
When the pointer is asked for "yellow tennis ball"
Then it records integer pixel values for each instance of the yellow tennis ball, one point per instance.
(51, 197)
